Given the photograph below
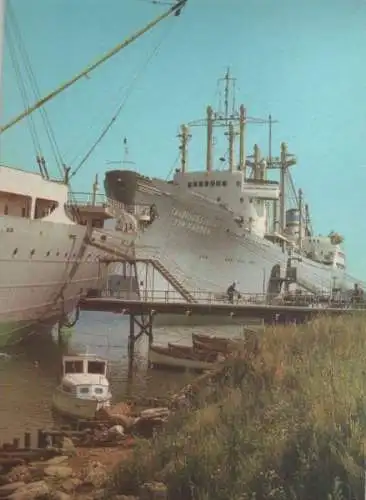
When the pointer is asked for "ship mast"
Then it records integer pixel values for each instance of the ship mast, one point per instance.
(184, 137)
(300, 219)
(175, 9)
(286, 161)
(242, 118)
(233, 120)
(209, 138)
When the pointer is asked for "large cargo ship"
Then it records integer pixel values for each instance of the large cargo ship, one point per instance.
(213, 227)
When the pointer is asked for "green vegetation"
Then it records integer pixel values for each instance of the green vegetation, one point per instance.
(288, 425)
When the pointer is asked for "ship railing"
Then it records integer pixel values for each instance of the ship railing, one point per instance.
(93, 200)
(204, 297)
(88, 199)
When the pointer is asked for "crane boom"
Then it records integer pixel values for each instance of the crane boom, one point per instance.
(174, 9)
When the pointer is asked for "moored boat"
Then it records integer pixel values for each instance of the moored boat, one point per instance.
(84, 387)
(160, 356)
(221, 344)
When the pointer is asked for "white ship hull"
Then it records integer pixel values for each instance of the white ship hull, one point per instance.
(198, 242)
(44, 269)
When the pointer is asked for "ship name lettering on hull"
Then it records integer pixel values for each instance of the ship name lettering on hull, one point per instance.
(192, 222)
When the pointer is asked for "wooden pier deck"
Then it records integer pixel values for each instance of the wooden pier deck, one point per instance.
(253, 306)
(143, 310)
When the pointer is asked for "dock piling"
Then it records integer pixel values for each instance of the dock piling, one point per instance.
(144, 322)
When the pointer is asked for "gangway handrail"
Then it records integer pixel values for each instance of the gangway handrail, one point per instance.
(206, 297)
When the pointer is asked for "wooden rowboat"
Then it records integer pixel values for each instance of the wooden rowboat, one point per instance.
(249, 343)
(201, 352)
(175, 358)
(218, 344)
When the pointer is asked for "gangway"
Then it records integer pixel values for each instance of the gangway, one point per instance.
(173, 281)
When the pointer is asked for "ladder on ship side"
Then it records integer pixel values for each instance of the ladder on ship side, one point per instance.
(171, 279)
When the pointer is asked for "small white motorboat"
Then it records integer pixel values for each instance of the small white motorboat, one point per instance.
(84, 387)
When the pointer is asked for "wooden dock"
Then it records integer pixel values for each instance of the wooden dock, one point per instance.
(256, 306)
(142, 311)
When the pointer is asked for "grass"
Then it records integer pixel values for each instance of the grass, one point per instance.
(288, 425)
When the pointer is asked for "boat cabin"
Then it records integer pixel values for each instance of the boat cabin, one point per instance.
(85, 377)
(29, 195)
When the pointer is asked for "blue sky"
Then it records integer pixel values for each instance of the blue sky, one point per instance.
(302, 61)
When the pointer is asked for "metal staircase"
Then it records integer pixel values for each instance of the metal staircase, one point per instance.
(172, 280)
(309, 287)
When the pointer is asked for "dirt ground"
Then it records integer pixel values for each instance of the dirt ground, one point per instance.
(109, 457)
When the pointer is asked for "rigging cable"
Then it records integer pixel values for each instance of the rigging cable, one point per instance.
(32, 79)
(173, 167)
(22, 90)
(157, 2)
(121, 106)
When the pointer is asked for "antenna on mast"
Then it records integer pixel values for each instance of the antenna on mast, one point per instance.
(270, 140)
(125, 160)
(125, 152)
(228, 82)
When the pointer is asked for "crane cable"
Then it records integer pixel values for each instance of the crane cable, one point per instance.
(175, 9)
(111, 122)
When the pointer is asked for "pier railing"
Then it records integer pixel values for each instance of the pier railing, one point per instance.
(204, 297)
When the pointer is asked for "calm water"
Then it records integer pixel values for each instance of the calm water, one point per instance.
(28, 379)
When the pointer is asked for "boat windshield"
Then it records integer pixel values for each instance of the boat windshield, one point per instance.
(74, 367)
(96, 367)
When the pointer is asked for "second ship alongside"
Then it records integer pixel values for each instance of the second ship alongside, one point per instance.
(210, 228)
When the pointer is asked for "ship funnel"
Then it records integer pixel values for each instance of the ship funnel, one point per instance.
(209, 138)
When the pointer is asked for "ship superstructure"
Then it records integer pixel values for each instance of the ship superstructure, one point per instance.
(218, 225)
